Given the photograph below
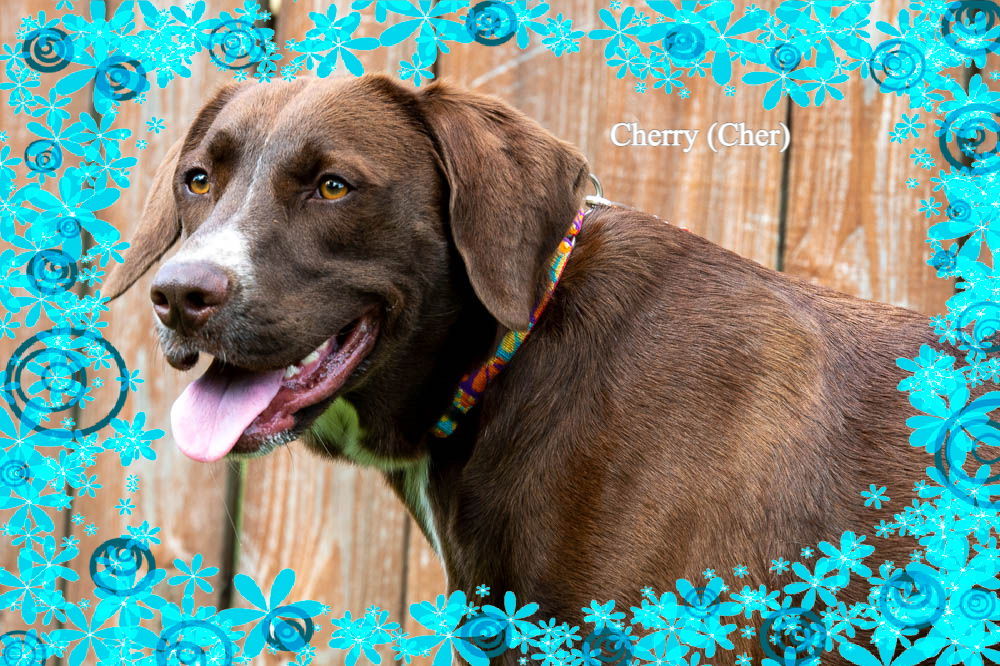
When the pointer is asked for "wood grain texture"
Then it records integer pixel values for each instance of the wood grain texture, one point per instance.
(730, 197)
(18, 138)
(852, 224)
(339, 527)
(185, 499)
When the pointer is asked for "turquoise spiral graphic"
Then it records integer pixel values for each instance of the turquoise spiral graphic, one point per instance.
(785, 57)
(897, 65)
(122, 567)
(978, 604)
(47, 50)
(22, 648)
(43, 156)
(684, 42)
(912, 599)
(194, 643)
(793, 636)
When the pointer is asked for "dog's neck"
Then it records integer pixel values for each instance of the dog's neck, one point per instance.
(378, 427)
(340, 427)
(473, 384)
(422, 454)
(397, 439)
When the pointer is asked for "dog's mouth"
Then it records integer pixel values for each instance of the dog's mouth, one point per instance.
(235, 409)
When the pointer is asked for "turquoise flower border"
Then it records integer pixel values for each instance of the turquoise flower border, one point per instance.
(942, 605)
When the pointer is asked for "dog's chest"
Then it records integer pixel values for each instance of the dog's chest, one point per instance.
(339, 428)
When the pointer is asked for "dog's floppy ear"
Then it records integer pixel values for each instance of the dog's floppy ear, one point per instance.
(159, 228)
(514, 189)
(160, 225)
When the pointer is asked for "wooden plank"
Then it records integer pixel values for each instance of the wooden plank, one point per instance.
(425, 579)
(185, 499)
(338, 526)
(19, 137)
(852, 224)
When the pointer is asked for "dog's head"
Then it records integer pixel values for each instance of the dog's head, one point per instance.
(329, 230)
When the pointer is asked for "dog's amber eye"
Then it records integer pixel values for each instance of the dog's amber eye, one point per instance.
(198, 183)
(332, 188)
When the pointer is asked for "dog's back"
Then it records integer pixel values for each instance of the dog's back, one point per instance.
(680, 408)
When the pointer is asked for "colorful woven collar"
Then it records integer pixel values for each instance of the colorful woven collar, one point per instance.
(474, 384)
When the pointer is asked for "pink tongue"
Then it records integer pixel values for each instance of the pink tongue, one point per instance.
(214, 410)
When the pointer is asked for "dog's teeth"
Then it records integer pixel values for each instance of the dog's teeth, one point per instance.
(313, 356)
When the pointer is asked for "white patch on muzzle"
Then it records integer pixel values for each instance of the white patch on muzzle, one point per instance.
(225, 246)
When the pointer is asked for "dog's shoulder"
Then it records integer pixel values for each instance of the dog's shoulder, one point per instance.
(641, 288)
(631, 253)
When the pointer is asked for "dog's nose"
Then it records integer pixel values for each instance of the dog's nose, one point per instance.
(186, 294)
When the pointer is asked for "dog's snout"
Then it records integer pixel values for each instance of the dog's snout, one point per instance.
(186, 295)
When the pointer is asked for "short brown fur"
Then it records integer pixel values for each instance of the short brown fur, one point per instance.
(678, 407)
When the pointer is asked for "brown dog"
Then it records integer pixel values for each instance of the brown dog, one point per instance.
(360, 244)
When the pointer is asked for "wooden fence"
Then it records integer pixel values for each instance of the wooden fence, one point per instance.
(832, 209)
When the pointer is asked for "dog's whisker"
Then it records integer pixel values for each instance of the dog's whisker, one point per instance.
(225, 502)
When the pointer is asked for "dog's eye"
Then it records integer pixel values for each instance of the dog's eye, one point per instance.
(332, 188)
(198, 183)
